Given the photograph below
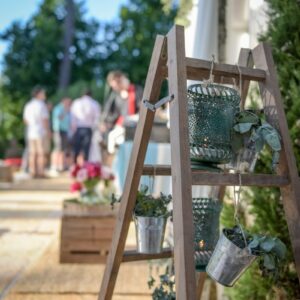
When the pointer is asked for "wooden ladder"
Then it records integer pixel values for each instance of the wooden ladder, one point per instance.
(169, 61)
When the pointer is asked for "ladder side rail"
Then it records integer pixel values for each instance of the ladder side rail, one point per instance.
(151, 93)
(185, 275)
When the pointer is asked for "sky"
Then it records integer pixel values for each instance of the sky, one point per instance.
(11, 10)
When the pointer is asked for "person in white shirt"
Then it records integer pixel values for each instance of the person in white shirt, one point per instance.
(36, 118)
(85, 115)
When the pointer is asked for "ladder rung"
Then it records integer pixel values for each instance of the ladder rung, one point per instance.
(196, 68)
(263, 180)
(132, 255)
(207, 178)
(162, 170)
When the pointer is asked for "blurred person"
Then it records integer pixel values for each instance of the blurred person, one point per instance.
(85, 116)
(61, 126)
(36, 118)
(123, 101)
(47, 139)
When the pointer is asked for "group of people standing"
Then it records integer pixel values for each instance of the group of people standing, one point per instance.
(72, 124)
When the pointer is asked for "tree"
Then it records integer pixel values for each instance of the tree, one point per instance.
(69, 28)
(129, 42)
(36, 50)
(266, 205)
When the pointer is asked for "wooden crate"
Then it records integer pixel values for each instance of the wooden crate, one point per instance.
(6, 173)
(86, 233)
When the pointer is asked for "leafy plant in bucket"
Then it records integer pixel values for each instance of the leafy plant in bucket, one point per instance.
(148, 206)
(248, 126)
(271, 251)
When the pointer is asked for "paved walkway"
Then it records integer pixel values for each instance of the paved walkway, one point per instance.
(29, 243)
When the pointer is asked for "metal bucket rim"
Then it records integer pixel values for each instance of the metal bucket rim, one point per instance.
(249, 252)
(145, 217)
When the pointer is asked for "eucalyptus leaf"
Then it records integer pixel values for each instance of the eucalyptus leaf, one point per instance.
(262, 133)
(259, 143)
(267, 244)
(273, 140)
(279, 248)
(247, 116)
(269, 262)
(243, 127)
(254, 243)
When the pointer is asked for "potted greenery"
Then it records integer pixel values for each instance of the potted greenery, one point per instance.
(249, 136)
(150, 217)
(237, 249)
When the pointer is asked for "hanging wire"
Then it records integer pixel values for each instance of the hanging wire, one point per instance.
(238, 87)
(240, 81)
(237, 195)
(151, 180)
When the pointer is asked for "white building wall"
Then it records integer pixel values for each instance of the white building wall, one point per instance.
(201, 36)
(246, 20)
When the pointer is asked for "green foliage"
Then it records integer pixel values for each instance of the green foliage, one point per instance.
(34, 55)
(184, 8)
(166, 288)
(249, 126)
(271, 251)
(284, 36)
(266, 204)
(11, 125)
(35, 50)
(149, 206)
(129, 42)
(75, 90)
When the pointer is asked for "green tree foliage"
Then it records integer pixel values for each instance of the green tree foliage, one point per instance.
(284, 36)
(266, 204)
(185, 6)
(130, 41)
(36, 50)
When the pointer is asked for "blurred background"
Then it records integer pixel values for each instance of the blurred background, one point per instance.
(68, 46)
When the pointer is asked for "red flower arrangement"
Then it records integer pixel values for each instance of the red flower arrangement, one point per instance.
(87, 177)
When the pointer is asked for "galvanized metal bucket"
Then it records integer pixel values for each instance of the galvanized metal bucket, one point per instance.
(150, 233)
(245, 160)
(228, 262)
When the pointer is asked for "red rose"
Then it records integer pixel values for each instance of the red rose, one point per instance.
(74, 170)
(93, 169)
(75, 187)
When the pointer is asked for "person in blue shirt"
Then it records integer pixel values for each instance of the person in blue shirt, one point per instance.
(61, 126)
